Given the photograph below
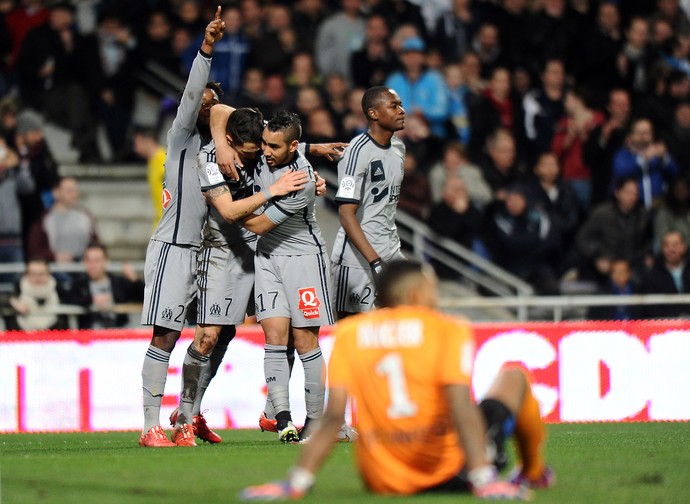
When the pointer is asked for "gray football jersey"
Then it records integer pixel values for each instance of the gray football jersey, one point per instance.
(217, 231)
(370, 174)
(184, 207)
(297, 232)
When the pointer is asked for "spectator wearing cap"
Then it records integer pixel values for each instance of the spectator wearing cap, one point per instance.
(58, 76)
(422, 91)
(36, 158)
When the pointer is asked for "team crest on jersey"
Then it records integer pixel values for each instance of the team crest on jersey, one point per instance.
(167, 313)
(309, 303)
(354, 298)
(214, 311)
(166, 198)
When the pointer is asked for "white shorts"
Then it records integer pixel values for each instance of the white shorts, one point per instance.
(169, 276)
(354, 289)
(225, 285)
(296, 287)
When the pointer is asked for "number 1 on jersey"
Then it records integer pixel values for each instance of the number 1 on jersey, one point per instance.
(401, 406)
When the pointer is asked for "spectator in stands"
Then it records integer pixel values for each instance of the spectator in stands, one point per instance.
(423, 91)
(20, 21)
(58, 76)
(155, 46)
(14, 181)
(253, 90)
(671, 87)
(415, 196)
(307, 16)
(604, 141)
(670, 11)
(455, 29)
(458, 110)
(513, 23)
(36, 300)
(253, 19)
(354, 121)
(455, 163)
(399, 13)
(668, 276)
(674, 212)
(635, 60)
(308, 100)
(10, 109)
(620, 283)
(570, 136)
(457, 218)
(544, 106)
(472, 75)
(647, 161)
(188, 15)
(99, 290)
(375, 61)
(615, 229)
(338, 37)
(66, 230)
(487, 46)
(500, 164)
(554, 32)
(35, 155)
(676, 136)
(303, 72)
(319, 127)
(522, 239)
(273, 52)
(420, 141)
(147, 147)
(495, 109)
(337, 100)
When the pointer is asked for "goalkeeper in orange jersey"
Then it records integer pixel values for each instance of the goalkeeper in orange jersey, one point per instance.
(408, 368)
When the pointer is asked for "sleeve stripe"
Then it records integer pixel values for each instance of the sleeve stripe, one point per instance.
(208, 188)
(289, 214)
(354, 154)
(347, 200)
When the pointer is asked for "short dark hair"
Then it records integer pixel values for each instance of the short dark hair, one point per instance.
(215, 87)
(99, 246)
(287, 122)
(391, 276)
(245, 125)
(372, 97)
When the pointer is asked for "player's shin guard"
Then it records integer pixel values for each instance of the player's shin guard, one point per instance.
(154, 373)
(192, 367)
(530, 434)
(277, 375)
(227, 333)
(314, 382)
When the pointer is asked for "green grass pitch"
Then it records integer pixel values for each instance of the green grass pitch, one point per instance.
(595, 463)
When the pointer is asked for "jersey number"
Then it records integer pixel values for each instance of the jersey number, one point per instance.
(401, 406)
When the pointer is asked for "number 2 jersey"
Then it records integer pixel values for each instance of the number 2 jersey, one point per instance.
(370, 175)
(395, 363)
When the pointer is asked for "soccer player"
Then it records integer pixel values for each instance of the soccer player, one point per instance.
(171, 255)
(408, 367)
(292, 291)
(369, 177)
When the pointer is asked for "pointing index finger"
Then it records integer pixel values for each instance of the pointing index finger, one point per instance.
(218, 13)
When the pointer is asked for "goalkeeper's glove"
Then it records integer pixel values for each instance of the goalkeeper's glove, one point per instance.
(296, 486)
(486, 485)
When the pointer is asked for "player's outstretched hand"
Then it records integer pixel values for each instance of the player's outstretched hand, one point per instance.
(329, 150)
(215, 29)
(503, 490)
(227, 160)
(321, 188)
(288, 182)
(272, 491)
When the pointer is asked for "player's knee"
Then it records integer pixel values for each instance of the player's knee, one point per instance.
(207, 339)
(164, 338)
(227, 334)
(516, 376)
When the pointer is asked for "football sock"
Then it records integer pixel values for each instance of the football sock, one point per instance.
(314, 382)
(277, 375)
(227, 333)
(529, 436)
(268, 408)
(154, 373)
(192, 367)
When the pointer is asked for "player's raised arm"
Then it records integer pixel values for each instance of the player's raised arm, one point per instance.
(214, 32)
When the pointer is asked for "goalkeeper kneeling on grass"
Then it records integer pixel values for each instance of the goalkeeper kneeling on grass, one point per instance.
(408, 367)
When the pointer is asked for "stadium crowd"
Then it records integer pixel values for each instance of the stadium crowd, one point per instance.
(550, 136)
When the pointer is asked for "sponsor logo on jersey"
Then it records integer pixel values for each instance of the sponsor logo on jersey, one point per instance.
(377, 172)
(166, 198)
(309, 303)
(347, 188)
(167, 313)
(394, 194)
(214, 311)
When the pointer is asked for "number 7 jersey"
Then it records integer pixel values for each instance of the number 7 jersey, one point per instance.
(396, 363)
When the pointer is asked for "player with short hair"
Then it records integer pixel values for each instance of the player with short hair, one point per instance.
(292, 291)
(170, 265)
(408, 368)
(369, 177)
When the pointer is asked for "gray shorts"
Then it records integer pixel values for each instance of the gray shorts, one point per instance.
(296, 287)
(354, 289)
(169, 274)
(225, 284)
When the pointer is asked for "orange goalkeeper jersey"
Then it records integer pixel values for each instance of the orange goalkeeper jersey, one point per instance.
(395, 363)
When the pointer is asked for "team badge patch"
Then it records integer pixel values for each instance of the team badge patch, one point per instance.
(166, 198)
(347, 188)
(309, 303)
(213, 173)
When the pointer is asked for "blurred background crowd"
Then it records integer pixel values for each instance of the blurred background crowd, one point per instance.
(550, 136)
